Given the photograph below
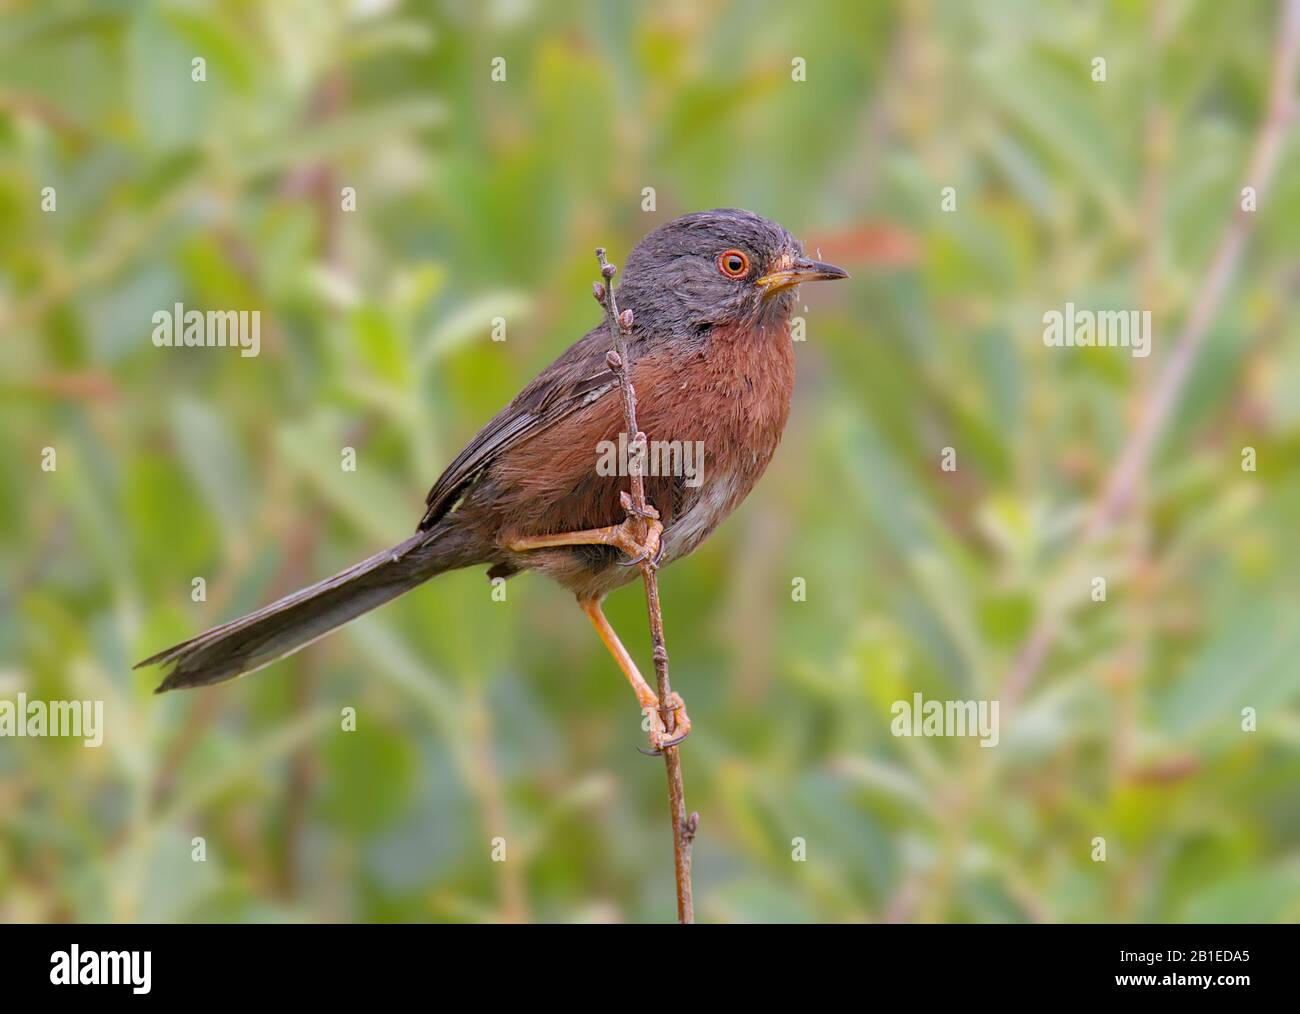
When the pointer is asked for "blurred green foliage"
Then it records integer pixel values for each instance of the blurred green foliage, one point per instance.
(480, 719)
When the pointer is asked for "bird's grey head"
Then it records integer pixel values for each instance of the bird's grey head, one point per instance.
(712, 269)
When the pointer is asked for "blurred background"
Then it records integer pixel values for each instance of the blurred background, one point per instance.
(478, 198)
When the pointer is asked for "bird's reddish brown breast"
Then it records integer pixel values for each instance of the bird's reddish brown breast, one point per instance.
(733, 397)
(721, 405)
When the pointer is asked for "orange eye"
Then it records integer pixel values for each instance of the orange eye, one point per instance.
(733, 264)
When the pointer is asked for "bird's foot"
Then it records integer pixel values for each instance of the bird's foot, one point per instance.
(650, 549)
(625, 537)
(660, 738)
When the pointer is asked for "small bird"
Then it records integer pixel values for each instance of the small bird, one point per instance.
(712, 364)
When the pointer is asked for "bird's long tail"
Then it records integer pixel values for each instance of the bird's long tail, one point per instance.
(295, 621)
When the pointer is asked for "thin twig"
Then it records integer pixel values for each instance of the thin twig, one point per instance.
(684, 828)
(1118, 492)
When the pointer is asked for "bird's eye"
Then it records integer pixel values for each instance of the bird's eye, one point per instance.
(733, 264)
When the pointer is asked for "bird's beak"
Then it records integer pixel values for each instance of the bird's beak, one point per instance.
(795, 270)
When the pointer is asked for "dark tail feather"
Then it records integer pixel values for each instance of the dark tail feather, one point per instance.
(295, 621)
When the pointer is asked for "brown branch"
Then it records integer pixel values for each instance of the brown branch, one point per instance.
(1119, 490)
(684, 828)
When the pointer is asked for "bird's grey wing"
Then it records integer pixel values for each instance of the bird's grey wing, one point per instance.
(578, 377)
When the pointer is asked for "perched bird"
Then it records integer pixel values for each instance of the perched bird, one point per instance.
(712, 364)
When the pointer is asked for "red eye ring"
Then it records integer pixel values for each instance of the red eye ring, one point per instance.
(733, 263)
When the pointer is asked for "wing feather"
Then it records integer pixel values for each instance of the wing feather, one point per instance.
(577, 378)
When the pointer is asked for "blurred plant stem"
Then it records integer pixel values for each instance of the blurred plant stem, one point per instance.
(1119, 489)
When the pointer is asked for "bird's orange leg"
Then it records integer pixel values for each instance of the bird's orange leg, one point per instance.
(622, 535)
(645, 695)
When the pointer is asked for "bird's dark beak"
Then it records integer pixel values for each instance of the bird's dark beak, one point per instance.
(795, 270)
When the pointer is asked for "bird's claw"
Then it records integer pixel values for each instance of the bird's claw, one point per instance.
(660, 738)
(654, 563)
(652, 548)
